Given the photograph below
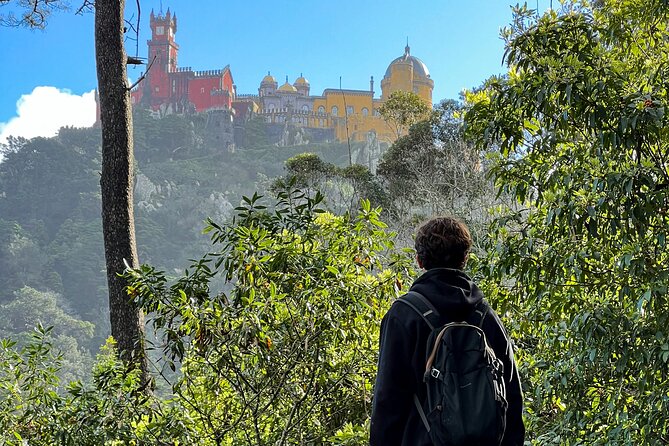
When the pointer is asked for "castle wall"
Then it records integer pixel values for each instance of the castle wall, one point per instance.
(210, 89)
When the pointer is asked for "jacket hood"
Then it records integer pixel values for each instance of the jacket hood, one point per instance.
(451, 291)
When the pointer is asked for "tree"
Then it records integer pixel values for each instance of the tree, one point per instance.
(342, 188)
(287, 353)
(581, 130)
(255, 132)
(22, 262)
(29, 309)
(36, 409)
(434, 170)
(33, 13)
(402, 109)
(117, 154)
(116, 182)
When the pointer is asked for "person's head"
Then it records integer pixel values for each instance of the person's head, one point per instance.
(442, 242)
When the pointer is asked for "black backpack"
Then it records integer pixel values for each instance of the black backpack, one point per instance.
(466, 395)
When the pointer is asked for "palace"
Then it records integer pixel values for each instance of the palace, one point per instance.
(336, 114)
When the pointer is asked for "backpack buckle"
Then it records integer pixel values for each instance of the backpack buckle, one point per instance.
(434, 373)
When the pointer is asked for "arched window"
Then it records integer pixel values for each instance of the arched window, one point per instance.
(321, 109)
(365, 111)
(349, 110)
(305, 108)
(334, 111)
(270, 106)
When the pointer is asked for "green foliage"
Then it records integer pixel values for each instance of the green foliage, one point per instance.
(255, 133)
(22, 262)
(403, 109)
(288, 354)
(581, 129)
(170, 137)
(351, 435)
(342, 187)
(76, 253)
(308, 169)
(433, 170)
(50, 228)
(113, 409)
(31, 308)
(43, 181)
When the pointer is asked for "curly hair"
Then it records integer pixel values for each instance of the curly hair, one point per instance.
(443, 242)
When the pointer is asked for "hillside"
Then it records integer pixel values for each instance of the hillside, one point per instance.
(50, 227)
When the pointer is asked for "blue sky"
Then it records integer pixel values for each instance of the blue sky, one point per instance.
(458, 41)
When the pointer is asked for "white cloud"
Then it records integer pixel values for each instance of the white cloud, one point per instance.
(47, 109)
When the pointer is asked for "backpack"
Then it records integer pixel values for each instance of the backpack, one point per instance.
(466, 395)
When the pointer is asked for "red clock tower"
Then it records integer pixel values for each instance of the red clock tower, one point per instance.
(164, 50)
(169, 88)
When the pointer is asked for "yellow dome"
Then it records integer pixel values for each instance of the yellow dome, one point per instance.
(419, 68)
(287, 87)
(269, 79)
(301, 81)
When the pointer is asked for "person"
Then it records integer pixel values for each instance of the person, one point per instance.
(442, 247)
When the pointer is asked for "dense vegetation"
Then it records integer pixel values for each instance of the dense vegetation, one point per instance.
(580, 125)
(50, 206)
(269, 337)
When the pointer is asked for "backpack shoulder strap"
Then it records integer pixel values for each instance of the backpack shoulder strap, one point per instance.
(480, 312)
(422, 306)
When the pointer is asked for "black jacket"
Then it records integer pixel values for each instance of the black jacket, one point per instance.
(402, 346)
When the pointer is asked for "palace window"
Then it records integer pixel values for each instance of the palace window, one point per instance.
(321, 109)
(365, 111)
(305, 108)
(349, 110)
(335, 111)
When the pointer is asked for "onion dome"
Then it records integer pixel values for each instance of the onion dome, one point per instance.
(287, 87)
(301, 81)
(268, 80)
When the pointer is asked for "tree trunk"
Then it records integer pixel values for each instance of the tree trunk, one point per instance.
(118, 225)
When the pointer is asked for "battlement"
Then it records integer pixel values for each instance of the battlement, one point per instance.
(333, 91)
(211, 73)
(286, 110)
(208, 73)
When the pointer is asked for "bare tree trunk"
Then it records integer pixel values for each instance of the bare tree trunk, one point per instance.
(118, 225)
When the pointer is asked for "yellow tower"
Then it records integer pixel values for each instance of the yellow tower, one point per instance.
(407, 73)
